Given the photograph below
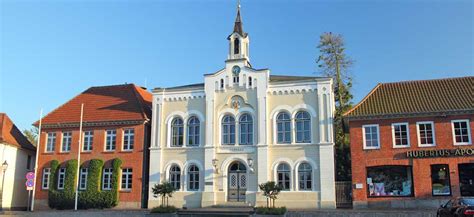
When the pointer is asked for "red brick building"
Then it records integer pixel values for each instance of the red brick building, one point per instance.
(115, 125)
(411, 143)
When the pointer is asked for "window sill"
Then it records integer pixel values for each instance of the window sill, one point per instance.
(371, 148)
(462, 144)
(426, 145)
(401, 146)
(108, 152)
(86, 152)
(126, 151)
(125, 191)
(68, 152)
(48, 153)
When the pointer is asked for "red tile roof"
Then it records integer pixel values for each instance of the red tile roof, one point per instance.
(11, 135)
(126, 102)
(449, 95)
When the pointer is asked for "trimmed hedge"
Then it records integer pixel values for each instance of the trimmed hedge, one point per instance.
(93, 196)
(164, 209)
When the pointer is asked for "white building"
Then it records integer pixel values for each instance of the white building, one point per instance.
(217, 141)
(17, 157)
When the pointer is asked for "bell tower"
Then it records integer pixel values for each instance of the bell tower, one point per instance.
(238, 41)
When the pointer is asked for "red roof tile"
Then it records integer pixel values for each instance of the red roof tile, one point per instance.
(11, 135)
(126, 102)
(417, 97)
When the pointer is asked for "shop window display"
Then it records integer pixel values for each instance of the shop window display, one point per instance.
(390, 181)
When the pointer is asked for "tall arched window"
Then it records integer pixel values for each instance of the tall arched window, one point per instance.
(246, 130)
(175, 177)
(283, 128)
(222, 83)
(177, 130)
(228, 130)
(305, 177)
(303, 127)
(283, 176)
(250, 81)
(193, 178)
(194, 131)
(236, 46)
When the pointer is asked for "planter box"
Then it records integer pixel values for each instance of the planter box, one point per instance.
(261, 215)
(163, 214)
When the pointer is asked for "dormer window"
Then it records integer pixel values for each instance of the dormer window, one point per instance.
(236, 46)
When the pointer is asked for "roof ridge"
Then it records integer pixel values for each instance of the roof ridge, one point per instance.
(363, 100)
(426, 80)
(61, 106)
(140, 99)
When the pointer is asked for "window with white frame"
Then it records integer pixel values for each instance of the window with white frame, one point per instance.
(303, 127)
(283, 122)
(305, 177)
(51, 142)
(246, 129)
(88, 140)
(45, 178)
(83, 178)
(371, 136)
(110, 140)
(283, 176)
(228, 130)
(401, 136)
(426, 134)
(194, 131)
(61, 178)
(461, 132)
(177, 131)
(128, 139)
(193, 178)
(66, 144)
(107, 179)
(175, 177)
(127, 179)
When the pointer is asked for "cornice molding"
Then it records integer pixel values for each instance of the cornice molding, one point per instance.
(93, 124)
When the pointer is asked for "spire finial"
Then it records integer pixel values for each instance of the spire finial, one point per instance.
(238, 4)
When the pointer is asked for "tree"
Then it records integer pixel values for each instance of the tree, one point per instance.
(334, 63)
(31, 135)
(270, 191)
(164, 190)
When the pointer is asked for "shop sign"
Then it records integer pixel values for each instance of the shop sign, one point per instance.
(461, 152)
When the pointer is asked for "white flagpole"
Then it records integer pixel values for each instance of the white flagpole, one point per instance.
(36, 160)
(79, 157)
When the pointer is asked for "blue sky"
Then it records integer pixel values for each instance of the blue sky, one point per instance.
(52, 50)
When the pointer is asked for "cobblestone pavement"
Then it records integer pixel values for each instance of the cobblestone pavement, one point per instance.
(292, 213)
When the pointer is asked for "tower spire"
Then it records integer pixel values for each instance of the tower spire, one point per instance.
(238, 28)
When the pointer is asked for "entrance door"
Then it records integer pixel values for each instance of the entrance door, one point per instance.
(237, 182)
(466, 179)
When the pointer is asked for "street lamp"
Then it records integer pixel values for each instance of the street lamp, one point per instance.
(250, 163)
(4, 166)
(214, 164)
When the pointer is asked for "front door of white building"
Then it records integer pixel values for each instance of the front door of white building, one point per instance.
(237, 182)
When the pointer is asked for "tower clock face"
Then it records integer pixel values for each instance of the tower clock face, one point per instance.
(236, 70)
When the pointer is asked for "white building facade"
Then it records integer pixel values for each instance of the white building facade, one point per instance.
(218, 140)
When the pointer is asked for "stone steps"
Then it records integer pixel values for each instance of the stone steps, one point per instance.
(217, 211)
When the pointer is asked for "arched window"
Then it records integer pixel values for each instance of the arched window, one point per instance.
(236, 46)
(194, 131)
(250, 81)
(246, 130)
(193, 178)
(222, 83)
(175, 177)
(228, 130)
(305, 177)
(283, 128)
(303, 127)
(283, 176)
(177, 131)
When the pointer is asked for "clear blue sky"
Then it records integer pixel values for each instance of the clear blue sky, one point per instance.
(52, 50)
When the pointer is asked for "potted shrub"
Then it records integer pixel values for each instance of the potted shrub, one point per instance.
(164, 190)
(270, 191)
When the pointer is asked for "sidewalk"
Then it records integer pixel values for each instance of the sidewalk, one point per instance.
(362, 213)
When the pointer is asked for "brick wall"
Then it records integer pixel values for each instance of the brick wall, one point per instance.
(130, 159)
(387, 155)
